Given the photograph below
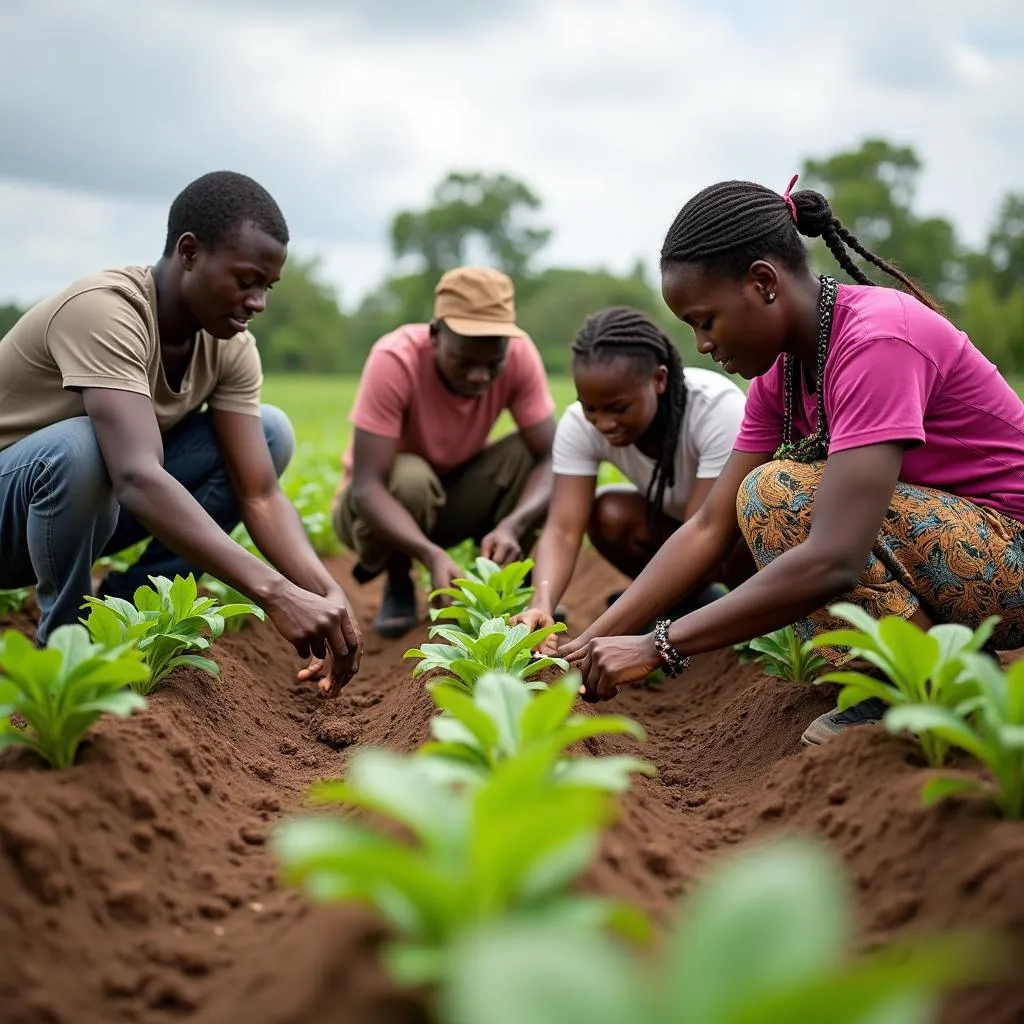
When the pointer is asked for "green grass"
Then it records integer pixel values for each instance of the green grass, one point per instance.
(319, 408)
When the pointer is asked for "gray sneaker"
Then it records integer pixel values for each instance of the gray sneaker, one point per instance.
(833, 722)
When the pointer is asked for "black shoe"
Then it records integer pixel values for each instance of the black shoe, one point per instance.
(830, 724)
(397, 613)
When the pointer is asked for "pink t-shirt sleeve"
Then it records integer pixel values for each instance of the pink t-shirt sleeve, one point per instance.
(761, 428)
(530, 399)
(876, 392)
(383, 395)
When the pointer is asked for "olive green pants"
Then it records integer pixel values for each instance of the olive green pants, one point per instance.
(467, 502)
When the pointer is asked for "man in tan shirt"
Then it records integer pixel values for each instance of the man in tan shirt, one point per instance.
(130, 407)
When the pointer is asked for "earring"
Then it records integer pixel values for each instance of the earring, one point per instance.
(770, 298)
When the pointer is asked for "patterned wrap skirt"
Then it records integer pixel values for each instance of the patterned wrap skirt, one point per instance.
(955, 560)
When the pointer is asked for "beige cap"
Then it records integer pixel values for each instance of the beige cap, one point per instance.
(477, 302)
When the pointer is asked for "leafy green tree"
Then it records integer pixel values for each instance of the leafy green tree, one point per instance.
(470, 209)
(9, 316)
(1006, 246)
(872, 190)
(302, 330)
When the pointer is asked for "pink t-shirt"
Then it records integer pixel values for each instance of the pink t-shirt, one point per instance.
(401, 395)
(896, 371)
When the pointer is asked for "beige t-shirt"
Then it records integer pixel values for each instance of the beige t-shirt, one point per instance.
(101, 332)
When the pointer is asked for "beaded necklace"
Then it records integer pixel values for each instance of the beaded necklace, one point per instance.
(814, 447)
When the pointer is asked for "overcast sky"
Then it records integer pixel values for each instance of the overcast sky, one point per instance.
(613, 111)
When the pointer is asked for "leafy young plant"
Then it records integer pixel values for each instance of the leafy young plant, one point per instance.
(486, 592)
(509, 847)
(744, 651)
(784, 655)
(988, 725)
(497, 648)
(167, 622)
(922, 668)
(62, 689)
(12, 601)
(764, 940)
(502, 720)
(226, 596)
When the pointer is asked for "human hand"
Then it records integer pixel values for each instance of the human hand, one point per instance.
(608, 662)
(501, 545)
(443, 569)
(537, 618)
(321, 629)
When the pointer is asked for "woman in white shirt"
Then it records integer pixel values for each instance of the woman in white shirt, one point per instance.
(668, 431)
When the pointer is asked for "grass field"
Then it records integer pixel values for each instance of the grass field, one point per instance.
(319, 407)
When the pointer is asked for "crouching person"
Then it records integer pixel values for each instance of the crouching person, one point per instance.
(130, 408)
(420, 475)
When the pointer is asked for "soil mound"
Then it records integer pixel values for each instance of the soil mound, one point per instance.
(137, 886)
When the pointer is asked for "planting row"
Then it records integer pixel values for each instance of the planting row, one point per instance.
(50, 697)
(472, 848)
(939, 686)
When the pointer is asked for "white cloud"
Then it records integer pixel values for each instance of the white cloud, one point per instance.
(614, 111)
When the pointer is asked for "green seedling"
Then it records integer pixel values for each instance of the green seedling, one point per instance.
(765, 938)
(310, 493)
(166, 623)
(226, 596)
(486, 592)
(508, 848)
(744, 651)
(62, 689)
(988, 725)
(12, 601)
(922, 668)
(498, 648)
(501, 720)
(784, 655)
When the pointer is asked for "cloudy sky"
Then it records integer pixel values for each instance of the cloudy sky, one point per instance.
(614, 111)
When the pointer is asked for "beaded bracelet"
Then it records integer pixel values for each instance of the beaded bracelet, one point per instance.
(674, 662)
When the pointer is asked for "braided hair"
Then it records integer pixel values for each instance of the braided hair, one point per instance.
(726, 227)
(624, 333)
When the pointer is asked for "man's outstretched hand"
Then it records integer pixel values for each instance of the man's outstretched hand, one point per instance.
(322, 629)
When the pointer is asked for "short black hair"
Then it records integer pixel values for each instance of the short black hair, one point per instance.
(217, 204)
(726, 227)
(622, 332)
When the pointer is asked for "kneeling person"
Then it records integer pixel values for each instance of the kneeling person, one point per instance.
(669, 431)
(420, 476)
(104, 440)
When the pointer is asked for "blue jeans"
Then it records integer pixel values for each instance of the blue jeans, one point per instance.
(58, 513)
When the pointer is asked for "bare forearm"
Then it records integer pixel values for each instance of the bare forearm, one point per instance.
(177, 520)
(534, 500)
(553, 567)
(789, 588)
(680, 565)
(277, 531)
(392, 521)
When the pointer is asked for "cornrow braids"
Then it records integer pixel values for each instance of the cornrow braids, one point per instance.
(726, 227)
(625, 333)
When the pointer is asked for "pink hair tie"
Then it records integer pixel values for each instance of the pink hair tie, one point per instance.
(789, 199)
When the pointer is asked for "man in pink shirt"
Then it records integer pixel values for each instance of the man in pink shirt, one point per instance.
(420, 475)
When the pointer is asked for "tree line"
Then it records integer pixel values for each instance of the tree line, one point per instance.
(474, 217)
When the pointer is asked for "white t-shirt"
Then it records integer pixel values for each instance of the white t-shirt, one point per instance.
(714, 409)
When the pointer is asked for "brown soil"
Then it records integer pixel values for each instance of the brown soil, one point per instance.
(137, 886)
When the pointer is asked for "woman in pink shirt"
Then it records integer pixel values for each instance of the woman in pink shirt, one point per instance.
(880, 459)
